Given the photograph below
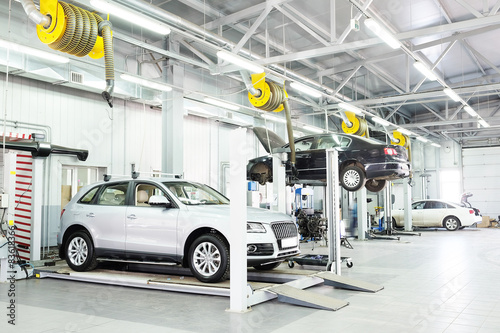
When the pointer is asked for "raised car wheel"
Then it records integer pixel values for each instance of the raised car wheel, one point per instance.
(209, 258)
(451, 223)
(267, 267)
(352, 178)
(80, 254)
(374, 185)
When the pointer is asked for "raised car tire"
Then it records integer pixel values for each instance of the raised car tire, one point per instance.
(352, 178)
(374, 185)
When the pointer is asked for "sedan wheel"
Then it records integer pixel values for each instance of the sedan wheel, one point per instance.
(209, 258)
(80, 254)
(451, 223)
(352, 178)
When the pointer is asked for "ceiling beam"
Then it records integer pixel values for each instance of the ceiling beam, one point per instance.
(356, 45)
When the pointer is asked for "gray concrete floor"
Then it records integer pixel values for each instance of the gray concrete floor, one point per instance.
(439, 282)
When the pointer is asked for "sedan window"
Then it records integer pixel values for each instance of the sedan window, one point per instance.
(304, 144)
(113, 195)
(333, 141)
(435, 205)
(418, 205)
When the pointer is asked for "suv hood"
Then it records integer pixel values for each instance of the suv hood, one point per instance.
(269, 139)
(253, 214)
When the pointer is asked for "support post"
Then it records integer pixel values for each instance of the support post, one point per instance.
(36, 209)
(332, 210)
(388, 208)
(407, 206)
(279, 184)
(362, 214)
(172, 117)
(238, 214)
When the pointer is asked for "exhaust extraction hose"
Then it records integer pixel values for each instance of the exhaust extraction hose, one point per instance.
(76, 34)
(270, 99)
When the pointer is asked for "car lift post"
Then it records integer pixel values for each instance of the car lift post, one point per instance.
(279, 198)
(332, 210)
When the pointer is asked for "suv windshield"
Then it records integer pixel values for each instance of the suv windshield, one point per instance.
(196, 194)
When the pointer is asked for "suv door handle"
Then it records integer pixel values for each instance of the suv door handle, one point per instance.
(132, 217)
(90, 215)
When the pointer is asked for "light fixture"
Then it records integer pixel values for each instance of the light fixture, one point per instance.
(435, 144)
(470, 111)
(197, 111)
(352, 108)
(240, 62)
(422, 139)
(382, 33)
(273, 118)
(305, 89)
(33, 52)
(483, 123)
(424, 70)
(453, 95)
(222, 104)
(380, 121)
(130, 15)
(404, 131)
(313, 129)
(145, 83)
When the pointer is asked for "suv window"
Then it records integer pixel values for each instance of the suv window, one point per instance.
(87, 198)
(145, 191)
(113, 195)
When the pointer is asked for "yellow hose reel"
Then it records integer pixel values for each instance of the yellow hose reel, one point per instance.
(271, 95)
(79, 32)
(404, 140)
(359, 125)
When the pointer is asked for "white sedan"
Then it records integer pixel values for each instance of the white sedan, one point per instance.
(438, 213)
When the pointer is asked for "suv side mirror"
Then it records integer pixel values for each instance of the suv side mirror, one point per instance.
(159, 200)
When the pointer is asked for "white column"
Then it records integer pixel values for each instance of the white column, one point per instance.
(362, 213)
(407, 206)
(36, 209)
(238, 214)
(332, 209)
(279, 184)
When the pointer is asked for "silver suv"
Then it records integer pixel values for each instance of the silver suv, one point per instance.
(167, 220)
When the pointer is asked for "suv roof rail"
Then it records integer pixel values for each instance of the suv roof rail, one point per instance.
(167, 175)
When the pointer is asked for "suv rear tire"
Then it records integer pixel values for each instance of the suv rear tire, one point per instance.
(209, 258)
(80, 254)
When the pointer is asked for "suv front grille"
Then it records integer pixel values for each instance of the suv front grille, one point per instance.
(284, 230)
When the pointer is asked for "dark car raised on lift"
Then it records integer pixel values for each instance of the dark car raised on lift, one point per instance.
(361, 161)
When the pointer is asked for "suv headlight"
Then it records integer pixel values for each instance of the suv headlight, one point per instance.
(255, 227)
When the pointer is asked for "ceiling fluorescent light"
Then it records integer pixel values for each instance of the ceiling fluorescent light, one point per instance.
(470, 111)
(380, 121)
(240, 62)
(422, 139)
(305, 89)
(453, 95)
(352, 108)
(404, 131)
(382, 33)
(436, 144)
(146, 83)
(33, 52)
(222, 104)
(424, 70)
(313, 129)
(274, 118)
(130, 15)
(483, 123)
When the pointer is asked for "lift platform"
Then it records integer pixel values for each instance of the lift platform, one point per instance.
(285, 285)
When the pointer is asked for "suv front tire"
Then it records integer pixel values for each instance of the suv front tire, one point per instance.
(80, 254)
(209, 258)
